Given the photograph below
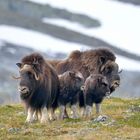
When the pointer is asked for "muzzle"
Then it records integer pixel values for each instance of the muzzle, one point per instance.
(107, 93)
(24, 91)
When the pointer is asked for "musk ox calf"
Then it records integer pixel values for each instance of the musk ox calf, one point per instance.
(96, 87)
(38, 86)
(70, 84)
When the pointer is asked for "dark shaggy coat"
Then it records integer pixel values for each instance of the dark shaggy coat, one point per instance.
(95, 89)
(39, 83)
(70, 86)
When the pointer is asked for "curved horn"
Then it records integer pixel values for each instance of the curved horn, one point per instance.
(36, 76)
(14, 77)
(120, 71)
(102, 68)
(28, 67)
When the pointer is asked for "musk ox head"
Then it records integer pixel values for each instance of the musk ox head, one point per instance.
(115, 82)
(97, 85)
(111, 70)
(72, 79)
(95, 59)
(30, 70)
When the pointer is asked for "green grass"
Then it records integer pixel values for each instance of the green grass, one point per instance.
(123, 123)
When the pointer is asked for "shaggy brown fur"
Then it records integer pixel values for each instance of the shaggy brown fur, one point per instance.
(98, 61)
(53, 62)
(39, 85)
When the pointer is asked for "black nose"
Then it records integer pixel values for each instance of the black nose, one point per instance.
(23, 89)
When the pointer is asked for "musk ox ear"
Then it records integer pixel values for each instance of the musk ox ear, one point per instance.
(19, 64)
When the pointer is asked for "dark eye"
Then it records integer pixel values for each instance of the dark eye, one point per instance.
(104, 84)
(109, 70)
(78, 79)
(29, 73)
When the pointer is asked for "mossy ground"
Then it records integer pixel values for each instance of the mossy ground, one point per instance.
(123, 124)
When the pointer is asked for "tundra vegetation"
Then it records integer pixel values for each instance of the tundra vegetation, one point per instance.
(122, 122)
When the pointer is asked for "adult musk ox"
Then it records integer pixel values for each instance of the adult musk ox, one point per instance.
(38, 86)
(98, 61)
(70, 85)
(96, 87)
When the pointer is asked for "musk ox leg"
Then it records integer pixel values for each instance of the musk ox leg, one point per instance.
(30, 113)
(53, 115)
(62, 112)
(65, 113)
(87, 111)
(44, 115)
(98, 108)
(74, 111)
(37, 115)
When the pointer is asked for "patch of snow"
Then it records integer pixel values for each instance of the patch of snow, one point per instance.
(120, 24)
(11, 50)
(120, 21)
(36, 40)
(43, 42)
(1, 43)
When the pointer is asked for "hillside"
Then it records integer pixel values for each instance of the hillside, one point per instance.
(10, 54)
(31, 17)
(135, 2)
(121, 123)
(29, 25)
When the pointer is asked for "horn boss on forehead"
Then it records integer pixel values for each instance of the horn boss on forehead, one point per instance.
(29, 68)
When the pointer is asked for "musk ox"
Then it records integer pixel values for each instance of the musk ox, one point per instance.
(38, 86)
(70, 84)
(96, 87)
(98, 61)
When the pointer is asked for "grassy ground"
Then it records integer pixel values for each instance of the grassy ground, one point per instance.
(123, 123)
